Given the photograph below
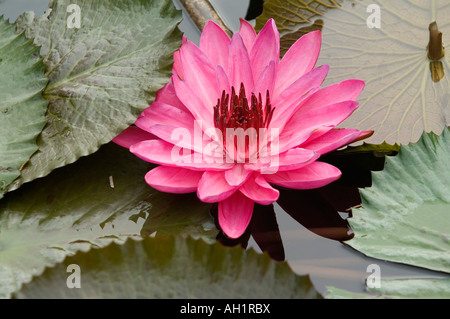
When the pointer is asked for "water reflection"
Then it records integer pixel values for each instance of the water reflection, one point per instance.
(255, 8)
(323, 211)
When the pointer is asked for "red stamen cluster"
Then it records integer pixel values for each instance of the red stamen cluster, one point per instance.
(235, 111)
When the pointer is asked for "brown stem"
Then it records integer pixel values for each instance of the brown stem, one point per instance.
(437, 71)
(435, 46)
(201, 11)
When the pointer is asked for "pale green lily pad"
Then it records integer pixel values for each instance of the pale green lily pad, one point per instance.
(414, 288)
(400, 100)
(405, 215)
(22, 108)
(405, 218)
(337, 293)
(423, 288)
(100, 199)
(172, 267)
(102, 75)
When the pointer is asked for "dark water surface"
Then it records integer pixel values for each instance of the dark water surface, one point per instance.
(329, 262)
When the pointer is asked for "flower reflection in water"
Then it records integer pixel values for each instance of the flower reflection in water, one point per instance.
(323, 211)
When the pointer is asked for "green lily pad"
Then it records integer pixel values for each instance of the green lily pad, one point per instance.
(102, 198)
(406, 93)
(102, 75)
(22, 108)
(405, 218)
(423, 288)
(405, 215)
(172, 267)
(414, 288)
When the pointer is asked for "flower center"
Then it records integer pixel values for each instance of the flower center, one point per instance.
(243, 123)
(236, 111)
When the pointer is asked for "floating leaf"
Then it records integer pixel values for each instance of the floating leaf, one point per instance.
(102, 75)
(405, 215)
(22, 108)
(100, 199)
(423, 288)
(406, 93)
(172, 267)
(414, 288)
(377, 149)
(337, 293)
(405, 218)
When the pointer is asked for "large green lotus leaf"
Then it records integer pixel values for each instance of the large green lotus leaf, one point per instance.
(22, 108)
(172, 267)
(405, 215)
(400, 100)
(102, 75)
(99, 199)
(423, 288)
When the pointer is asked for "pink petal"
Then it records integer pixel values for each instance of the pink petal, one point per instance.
(154, 151)
(259, 191)
(163, 153)
(331, 140)
(177, 65)
(314, 175)
(213, 187)
(289, 160)
(247, 33)
(164, 114)
(167, 95)
(266, 48)
(239, 67)
(235, 214)
(303, 123)
(237, 175)
(319, 132)
(298, 60)
(132, 135)
(181, 137)
(175, 126)
(287, 103)
(169, 122)
(348, 90)
(173, 179)
(332, 114)
(266, 81)
(222, 80)
(196, 106)
(363, 135)
(214, 43)
(199, 74)
(296, 158)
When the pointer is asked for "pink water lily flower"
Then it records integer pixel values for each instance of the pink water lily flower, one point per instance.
(240, 85)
